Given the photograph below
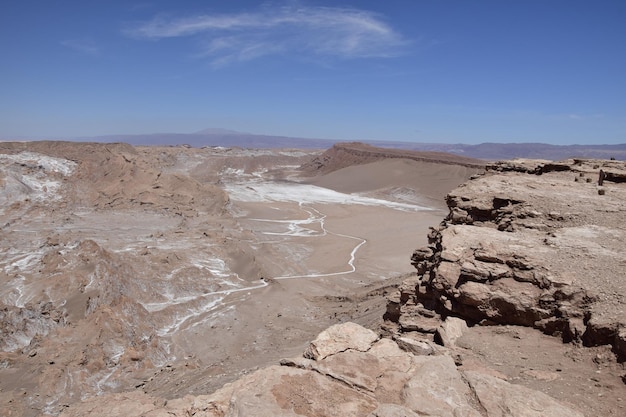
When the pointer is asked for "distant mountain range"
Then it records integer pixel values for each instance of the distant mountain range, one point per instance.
(488, 151)
(499, 151)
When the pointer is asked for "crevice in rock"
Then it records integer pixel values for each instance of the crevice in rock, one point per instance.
(475, 399)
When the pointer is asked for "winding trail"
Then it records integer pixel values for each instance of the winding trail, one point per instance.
(295, 229)
(317, 217)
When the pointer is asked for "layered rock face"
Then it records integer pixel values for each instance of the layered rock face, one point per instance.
(530, 243)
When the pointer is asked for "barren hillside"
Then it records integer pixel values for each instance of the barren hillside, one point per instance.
(343, 155)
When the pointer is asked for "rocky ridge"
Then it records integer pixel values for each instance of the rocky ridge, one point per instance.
(342, 155)
(530, 243)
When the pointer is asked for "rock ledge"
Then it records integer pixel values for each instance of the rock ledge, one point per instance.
(530, 243)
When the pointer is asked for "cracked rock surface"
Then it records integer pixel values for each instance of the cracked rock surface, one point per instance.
(373, 378)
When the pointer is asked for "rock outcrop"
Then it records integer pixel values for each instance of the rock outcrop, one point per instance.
(530, 243)
(359, 374)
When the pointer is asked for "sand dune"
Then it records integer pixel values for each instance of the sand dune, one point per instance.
(428, 180)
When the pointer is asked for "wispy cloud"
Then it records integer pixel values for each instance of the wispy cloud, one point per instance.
(85, 46)
(298, 30)
(579, 116)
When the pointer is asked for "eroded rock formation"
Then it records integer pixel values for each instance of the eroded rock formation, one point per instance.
(530, 243)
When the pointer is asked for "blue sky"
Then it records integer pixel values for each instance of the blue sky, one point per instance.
(403, 70)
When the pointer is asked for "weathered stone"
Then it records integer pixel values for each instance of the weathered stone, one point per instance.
(532, 250)
(391, 356)
(392, 410)
(392, 312)
(421, 254)
(447, 276)
(419, 324)
(450, 330)
(417, 347)
(408, 287)
(385, 381)
(339, 338)
(487, 253)
(619, 346)
(500, 399)
(480, 271)
(288, 392)
(355, 369)
(437, 388)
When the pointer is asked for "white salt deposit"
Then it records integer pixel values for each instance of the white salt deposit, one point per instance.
(264, 191)
(33, 176)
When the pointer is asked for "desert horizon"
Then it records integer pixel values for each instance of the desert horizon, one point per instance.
(171, 271)
(487, 150)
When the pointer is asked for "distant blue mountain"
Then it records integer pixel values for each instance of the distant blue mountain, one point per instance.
(488, 151)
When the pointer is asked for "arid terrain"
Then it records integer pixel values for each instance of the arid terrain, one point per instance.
(140, 280)
(176, 269)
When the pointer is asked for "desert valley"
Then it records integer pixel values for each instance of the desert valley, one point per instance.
(223, 281)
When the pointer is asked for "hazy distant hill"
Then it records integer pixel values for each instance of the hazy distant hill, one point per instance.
(217, 137)
(495, 151)
(489, 151)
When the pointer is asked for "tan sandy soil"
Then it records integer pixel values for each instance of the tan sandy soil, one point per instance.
(588, 379)
(399, 179)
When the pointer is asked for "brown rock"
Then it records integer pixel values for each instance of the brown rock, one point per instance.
(416, 347)
(450, 330)
(392, 410)
(339, 338)
(382, 382)
(500, 399)
(437, 388)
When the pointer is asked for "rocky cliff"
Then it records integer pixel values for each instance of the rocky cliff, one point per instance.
(530, 243)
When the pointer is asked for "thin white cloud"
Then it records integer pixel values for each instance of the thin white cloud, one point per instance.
(579, 116)
(299, 30)
(85, 46)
